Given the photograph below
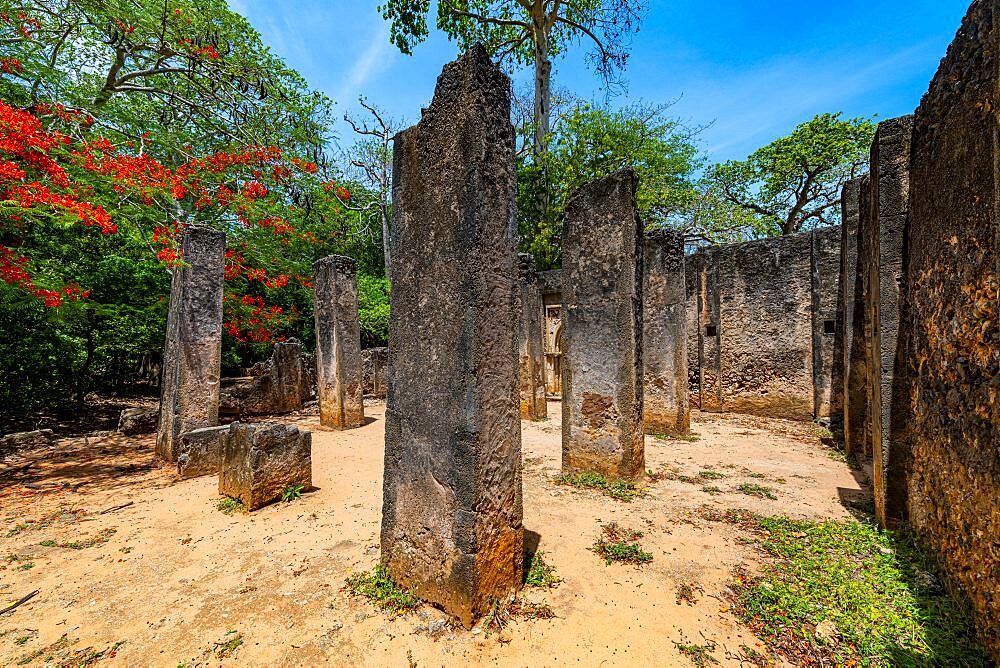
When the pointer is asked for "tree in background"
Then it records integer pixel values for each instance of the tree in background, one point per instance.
(590, 142)
(371, 158)
(526, 32)
(794, 183)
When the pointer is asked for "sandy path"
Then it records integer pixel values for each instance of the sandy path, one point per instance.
(177, 574)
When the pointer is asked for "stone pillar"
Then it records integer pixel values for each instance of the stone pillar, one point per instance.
(849, 202)
(192, 356)
(339, 387)
(531, 369)
(890, 190)
(451, 513)
(666, 409)
(602, 324)
(857, 431)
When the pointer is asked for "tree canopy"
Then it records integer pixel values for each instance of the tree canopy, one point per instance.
(794, 182)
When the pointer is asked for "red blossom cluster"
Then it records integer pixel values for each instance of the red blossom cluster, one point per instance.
(13, 271)
(248, 319)
(10, 65)
(25, 161)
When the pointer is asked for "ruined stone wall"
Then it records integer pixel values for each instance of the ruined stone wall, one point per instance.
(762, 320)
(666, 408)
(452, 510)
(950, 329)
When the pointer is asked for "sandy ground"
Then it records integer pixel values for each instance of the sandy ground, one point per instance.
(169, 576)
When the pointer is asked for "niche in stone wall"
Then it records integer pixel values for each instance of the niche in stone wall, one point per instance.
(829, 327)
(711, 331)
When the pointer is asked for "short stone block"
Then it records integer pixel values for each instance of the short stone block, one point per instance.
(260, 461)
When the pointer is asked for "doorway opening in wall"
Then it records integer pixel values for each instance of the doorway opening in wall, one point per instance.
(829, 327)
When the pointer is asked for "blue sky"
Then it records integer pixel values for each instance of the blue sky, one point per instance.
(753, 69)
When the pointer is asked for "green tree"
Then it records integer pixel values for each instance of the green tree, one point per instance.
(526, 32)
(590, 142)
(794, 183)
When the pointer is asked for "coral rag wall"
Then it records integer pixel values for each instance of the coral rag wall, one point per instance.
(762, 318)
(950, 329)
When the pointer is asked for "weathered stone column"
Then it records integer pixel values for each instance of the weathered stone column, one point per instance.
(192, 356)
(890, 160)
(857, 427)
(531, 368)
(666, 409)
(602, 324)
(849, 203)
(339, 387)
(451, 513)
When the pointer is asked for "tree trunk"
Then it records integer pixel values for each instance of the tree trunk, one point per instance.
(543, 86)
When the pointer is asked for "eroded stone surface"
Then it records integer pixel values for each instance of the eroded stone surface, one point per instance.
(666, 408)
(260, 461)
(192, 357)
(339, 387)
(373, 364)
(451, 514)
(201, 451)
(950, 334)
(531, 359)
(602, 329)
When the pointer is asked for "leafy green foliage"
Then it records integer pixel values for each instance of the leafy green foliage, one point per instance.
(230, 505)
(292, 492)
(591, 142)
(619, 544)
(616, 489)
(379, 588)
(794, 183)
(541, 574)
(700, 655)
(848, 593)
(373, 310)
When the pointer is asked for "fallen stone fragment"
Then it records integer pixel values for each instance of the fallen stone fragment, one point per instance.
(136, 421)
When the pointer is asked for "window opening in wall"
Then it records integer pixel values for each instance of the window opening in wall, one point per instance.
(829, 326)
(711, 330)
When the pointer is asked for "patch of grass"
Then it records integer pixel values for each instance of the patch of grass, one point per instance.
(711, 489)
(754, 474)
(848, 593)
(541, 574)
(709, 474)
(379, 588)
(22, 640)
(230, 643)
(700, 655)
(687, 438)
(760, 491)
(616, 489)
(292, 492)
(102, 537)
(229, 505)
(619, 544)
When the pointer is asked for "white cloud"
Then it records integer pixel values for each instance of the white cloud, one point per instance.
(373, 60)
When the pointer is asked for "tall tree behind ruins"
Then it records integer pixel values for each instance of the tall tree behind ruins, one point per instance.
(794, 183)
